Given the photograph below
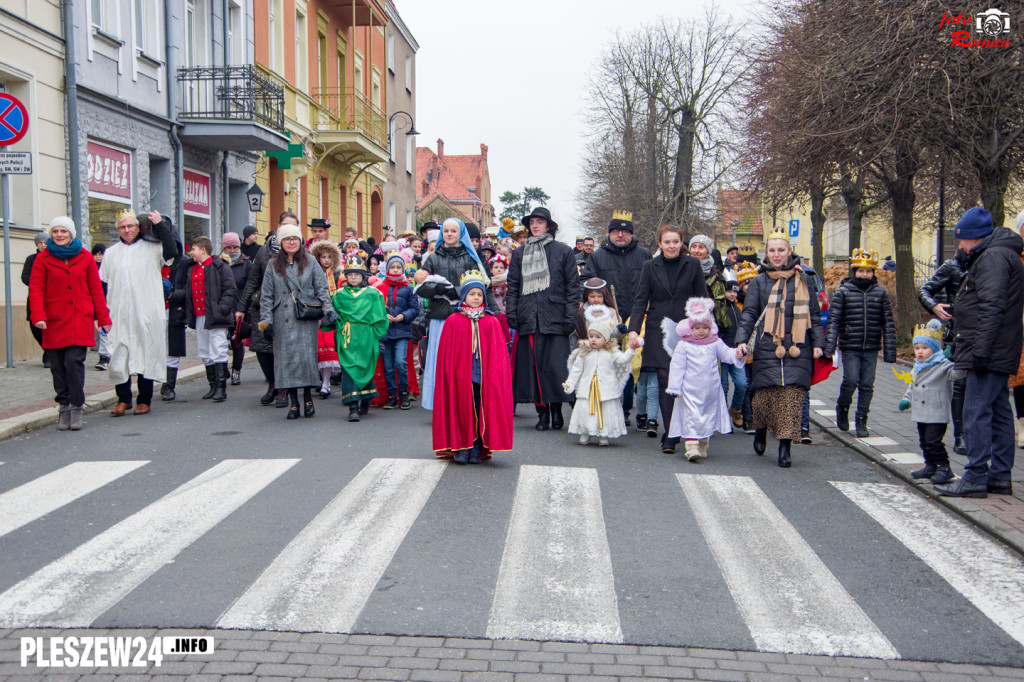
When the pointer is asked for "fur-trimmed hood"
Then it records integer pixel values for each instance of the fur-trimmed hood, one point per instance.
(318, 248)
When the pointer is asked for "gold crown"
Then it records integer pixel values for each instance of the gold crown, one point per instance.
(777, 233)
(471, 276)
(745, 270)
(932, 331)
(622, 215)
(862, 258)
(125, 213)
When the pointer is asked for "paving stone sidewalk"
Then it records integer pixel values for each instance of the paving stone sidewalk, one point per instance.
(246, 654)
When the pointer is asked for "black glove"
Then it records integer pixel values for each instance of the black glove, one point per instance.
(979, 365)
(446, 291)
(268, 333)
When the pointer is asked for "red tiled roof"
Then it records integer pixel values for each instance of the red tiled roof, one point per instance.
(451, 176)
(743, 206)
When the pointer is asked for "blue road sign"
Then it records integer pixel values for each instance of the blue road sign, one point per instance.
(13, 119)
(794, 228)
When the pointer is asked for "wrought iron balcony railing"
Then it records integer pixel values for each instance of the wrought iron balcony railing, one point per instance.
(350, 110)
(231, 93)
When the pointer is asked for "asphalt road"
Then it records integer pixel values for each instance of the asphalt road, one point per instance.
(205, 515)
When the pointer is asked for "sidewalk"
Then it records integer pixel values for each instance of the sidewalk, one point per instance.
(893, 444)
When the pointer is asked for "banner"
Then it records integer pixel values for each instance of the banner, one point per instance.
(110, 171)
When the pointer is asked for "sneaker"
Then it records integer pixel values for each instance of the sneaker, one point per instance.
(236, 377)
(584, 439)
(392, 402)
(805, 437)
(641, 422)
(748, 427)
(103, 363)
(652, 428)
(944, 475)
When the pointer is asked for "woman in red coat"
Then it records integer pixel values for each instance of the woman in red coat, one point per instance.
(67, 303)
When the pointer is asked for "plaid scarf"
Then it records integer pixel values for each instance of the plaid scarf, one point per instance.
(536, 276)
(775, 317)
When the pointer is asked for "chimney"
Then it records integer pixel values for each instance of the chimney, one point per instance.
(440, 148)
(483, 153)
(426, 188)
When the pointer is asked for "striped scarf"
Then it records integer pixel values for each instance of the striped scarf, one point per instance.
(775, 317)
(536, 276)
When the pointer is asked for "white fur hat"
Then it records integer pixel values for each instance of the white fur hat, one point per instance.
(599, 319)
(65, 222)
(698, 311)
(288, 231)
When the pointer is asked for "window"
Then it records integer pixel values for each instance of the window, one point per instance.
(408, 73)
(376, 91)
(96, 7)
(342, 209)
(410, 155)
(323, 198)
(301, 61)
(408, 221)
(236, 33)
(190, 33)
(391, 52)
(321, 65)
(357, 74)
(141, 21)
(272, 35)
(392, 215)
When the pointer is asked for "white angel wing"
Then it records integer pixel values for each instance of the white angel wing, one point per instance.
(669, 337)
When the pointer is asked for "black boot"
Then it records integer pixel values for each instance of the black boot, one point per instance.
(392, 402)
(543, 418)
(364, 407)
(843, 417)
(556, 416)
(282, 398)
(353, 412)
(760, 441)
(927, 471)
(784, 459)
(212, 378)
(668, 445)
(861, 421)
(220, 380)
(292, 397)
(167, 390)
(403, 400)
(269, 396)
(959, 445)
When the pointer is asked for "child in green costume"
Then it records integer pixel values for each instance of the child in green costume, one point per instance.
(362, 323)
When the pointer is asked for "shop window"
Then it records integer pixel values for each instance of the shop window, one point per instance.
(103, 220)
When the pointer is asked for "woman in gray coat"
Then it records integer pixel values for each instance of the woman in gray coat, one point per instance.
(292, 272)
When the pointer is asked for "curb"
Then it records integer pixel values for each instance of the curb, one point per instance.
(15, 426)
(994, 526)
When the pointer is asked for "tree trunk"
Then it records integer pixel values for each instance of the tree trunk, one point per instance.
(993, 181)
(853, 195)
(818, 229)
(902, 191)
(683, 182)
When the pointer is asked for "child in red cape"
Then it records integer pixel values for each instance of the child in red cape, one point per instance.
(473, 393)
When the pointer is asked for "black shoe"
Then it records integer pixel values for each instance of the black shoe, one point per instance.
(269, 396)
(861, 422)
(212, 379)
(748, 427)
(46, 360)
(325, 392)
(293, 412)
(842, 418)
(760, 441)
(556, 417)
(805, 437)
(927, 471)
(236, 377)
(944, 475)
(392, 402)
(543, 418)
(963, 488)
(641, 422)
(474, 455)
(652, 428)
(785, 461)
(364, 407)
(668, 445)
(335, 378)
(959, 446)
(167, 390)
(461, 456)
(282, 399)
(403, 400)
(625, 418)
(1000, 487)
(309, 409)
(353, 412)
(103, 363)
(220, 381)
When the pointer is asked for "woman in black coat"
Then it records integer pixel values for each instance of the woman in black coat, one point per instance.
(787, 342)
(541, 302)
(667, 282)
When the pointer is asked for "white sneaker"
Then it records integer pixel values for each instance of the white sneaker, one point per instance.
(602, 441)
(584, 439)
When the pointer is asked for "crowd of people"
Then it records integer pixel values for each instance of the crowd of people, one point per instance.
(471, 326)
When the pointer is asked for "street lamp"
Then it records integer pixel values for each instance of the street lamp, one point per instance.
(255, 196)
(412, 126)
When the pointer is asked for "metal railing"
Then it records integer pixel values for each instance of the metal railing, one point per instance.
(231, 93)
(350, 110)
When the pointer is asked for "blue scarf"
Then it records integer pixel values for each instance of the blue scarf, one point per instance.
(65, 252)
(919, 365)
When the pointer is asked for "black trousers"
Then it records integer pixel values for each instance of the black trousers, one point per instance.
(67, 365)
(266, 361)
(930, 436)
(665, 401)
(124, 391)
(37, 334)
(627, 396)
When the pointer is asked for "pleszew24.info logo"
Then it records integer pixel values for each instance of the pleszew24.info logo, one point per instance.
(108, 652)
(990, 29)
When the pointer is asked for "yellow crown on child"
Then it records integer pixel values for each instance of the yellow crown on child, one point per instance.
(471, 276)
(929, 330)
(862, 258)
(745, 271)
(125, 213)
(777, 233)
(622, 215)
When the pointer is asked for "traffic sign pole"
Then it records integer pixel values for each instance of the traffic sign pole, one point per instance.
(13, 126)
(5, 190)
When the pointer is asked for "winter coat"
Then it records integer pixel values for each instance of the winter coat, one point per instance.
(240, 270)
(68, 296)
(728, 334)
(766, 369)
(553, 310)
(249, 301)
(400, 301)
(26, 278)
(178, 276)
(862, 320)
(657, 299)
(990, 304)
(930, 394)
(295, 341)
(620, 266)
(450, 263)
(942, 288)
(220, 295)
(612, 369)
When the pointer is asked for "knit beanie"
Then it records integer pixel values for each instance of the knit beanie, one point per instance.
(705, 240)
(976, 223)
(230, 239)
(599, 319)
(42, 237)
(394, 258)
(65, 222)
(248, 231)
(472, 280)
(287, 232)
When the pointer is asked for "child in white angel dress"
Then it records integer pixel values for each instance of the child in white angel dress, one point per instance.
(699, 409)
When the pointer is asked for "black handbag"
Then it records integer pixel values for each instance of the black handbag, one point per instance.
(305, 310)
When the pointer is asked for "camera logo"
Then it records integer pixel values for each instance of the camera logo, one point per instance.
(992, 23)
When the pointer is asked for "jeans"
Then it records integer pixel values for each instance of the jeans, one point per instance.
(739, 381)
(988, 428)
(394, 361)
(67, 365)
(858, 375)
(647, 394)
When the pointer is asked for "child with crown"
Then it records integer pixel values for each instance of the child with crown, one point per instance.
(928, 398)
(860, 323)
(473, 386)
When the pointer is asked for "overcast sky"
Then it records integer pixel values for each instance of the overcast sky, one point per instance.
(512, 75)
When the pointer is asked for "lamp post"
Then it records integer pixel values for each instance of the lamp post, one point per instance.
(412, 127)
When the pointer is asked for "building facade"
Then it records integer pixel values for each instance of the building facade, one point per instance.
(401, 82)
(463, 180)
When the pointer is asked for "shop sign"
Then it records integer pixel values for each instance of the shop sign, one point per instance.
(110, 171)
(197, 193)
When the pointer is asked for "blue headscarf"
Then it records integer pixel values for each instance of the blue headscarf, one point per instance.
(464, 239)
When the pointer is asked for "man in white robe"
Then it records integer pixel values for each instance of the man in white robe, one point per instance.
(137, 341)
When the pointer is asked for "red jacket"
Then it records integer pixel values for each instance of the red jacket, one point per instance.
(68, 296)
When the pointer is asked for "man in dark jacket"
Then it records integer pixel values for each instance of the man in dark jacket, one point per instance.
(989, 307)
(619, 261)
(210, 297)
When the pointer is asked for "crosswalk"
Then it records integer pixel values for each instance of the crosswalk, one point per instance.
(557, 574)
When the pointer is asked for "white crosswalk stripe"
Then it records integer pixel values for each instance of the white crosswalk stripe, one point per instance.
(984, 571)
(789, 599)
(35, 499)
(323, 578)
(74, 590)
(555, 580)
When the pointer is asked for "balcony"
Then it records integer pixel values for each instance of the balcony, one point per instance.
(348, 123)
(231, 108)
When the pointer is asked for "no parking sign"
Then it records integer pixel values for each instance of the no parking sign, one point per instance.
(13, 119)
